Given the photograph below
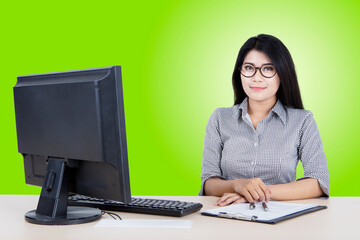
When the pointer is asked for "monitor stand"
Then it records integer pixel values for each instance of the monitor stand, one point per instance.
(52, 207)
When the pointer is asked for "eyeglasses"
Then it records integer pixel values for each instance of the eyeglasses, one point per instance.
(249, 70)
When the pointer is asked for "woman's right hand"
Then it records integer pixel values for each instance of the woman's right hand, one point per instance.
(253, 189)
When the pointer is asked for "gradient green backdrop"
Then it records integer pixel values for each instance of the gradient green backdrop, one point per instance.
(177, 59)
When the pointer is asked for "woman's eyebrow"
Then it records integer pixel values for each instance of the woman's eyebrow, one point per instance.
(261, 64)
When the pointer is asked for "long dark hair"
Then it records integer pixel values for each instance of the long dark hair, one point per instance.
(289, 92)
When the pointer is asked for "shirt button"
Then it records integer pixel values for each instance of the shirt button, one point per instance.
(255, 144)
(252, 163)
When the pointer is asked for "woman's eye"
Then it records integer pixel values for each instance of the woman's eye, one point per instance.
(249, 68)
(269, 69)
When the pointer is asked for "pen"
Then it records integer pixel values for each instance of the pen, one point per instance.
(265, 206)
(252, 205)
(237, 216)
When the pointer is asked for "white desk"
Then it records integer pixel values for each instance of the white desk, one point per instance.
(339, 221)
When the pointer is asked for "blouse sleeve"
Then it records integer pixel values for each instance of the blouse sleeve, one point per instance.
(212, 151)
(312, 155)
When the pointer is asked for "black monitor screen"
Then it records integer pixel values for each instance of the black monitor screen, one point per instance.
(76, 118)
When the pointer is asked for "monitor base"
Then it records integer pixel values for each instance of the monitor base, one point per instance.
(75, 215)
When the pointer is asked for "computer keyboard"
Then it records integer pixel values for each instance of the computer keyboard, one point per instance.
(138, 205)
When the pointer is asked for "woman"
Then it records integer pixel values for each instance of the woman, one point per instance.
(251, 149)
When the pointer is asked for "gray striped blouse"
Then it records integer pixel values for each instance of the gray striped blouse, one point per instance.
(234, 149)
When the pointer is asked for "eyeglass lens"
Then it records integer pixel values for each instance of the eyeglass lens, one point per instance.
(249, 70)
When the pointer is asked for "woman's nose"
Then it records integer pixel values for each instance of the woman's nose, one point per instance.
(257, 76)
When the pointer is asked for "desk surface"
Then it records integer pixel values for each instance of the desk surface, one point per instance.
(339, 221)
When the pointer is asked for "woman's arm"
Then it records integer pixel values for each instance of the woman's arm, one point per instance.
(305, 188)
(217, 187)
(312, 155)
(212, 152)
(248, 190)
(252, 189)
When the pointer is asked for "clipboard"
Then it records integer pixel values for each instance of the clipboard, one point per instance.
(278, 211)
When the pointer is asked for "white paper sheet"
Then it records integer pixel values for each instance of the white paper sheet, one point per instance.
(144, 223)
(275, 209)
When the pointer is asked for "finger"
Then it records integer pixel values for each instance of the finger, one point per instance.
(221, 198)
(260, 192)
(224, 198)
(230, 200)
(248, 196)
(267, 194)
(254, 194)
(265, 190)
(240, 200)
(262, 185)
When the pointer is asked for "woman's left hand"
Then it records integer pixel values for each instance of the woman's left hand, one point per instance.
(230, 198)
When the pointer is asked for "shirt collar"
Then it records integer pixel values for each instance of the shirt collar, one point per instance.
(244, 106)
(278, 109)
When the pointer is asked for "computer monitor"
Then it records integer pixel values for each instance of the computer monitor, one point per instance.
(71, 133)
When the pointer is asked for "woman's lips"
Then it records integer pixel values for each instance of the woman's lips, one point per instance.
(257, 88)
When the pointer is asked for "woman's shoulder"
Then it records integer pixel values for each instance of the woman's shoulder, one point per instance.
(299, 115)
(225, 112)
(297, 111)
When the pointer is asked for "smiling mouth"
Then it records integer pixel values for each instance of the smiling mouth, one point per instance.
(257, 88)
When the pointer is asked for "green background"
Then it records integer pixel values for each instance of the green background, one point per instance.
(177, 59)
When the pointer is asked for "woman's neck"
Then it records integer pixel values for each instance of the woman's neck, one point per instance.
(261, 109)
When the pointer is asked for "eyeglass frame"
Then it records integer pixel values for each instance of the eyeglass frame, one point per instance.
(256, 68)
